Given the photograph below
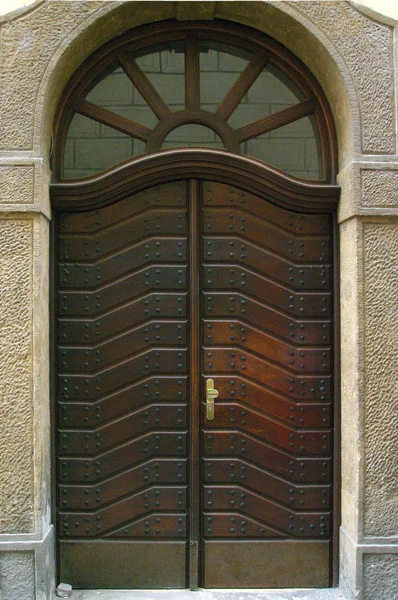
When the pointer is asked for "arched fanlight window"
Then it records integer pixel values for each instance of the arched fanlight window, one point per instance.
(213, 85)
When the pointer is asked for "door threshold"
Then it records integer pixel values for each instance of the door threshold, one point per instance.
(243, 594)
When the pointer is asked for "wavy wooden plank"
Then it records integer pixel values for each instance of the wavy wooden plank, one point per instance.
(168, 195)
(238, 251)
(150, 477)
(243, 336)
(265, 514)
(235, 222)
(221, 194)
(252, 312)
(301, 304)
(235, 443)
(164, 444)
(94, 276)
(86, 247)
(89, 442)
(143, 393)
(249, 476)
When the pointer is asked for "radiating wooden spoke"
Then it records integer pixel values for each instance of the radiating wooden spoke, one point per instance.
(111, 119)
(144, 86)
(192, 74)
(242, 85)
(283, 117)
(222, 38)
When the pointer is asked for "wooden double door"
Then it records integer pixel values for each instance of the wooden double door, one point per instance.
(158, 293)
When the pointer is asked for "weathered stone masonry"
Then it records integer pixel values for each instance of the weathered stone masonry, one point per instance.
(353, 55)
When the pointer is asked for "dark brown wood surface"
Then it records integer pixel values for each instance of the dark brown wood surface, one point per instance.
(123, 367)
(275, 389)
(157, 293)
(172, 268)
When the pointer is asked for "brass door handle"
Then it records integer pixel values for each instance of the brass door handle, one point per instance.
(211, 394)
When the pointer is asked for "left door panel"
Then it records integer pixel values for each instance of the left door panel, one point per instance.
(122, 387)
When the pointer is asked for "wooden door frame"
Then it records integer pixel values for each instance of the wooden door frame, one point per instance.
(218, 165)
(146, 171)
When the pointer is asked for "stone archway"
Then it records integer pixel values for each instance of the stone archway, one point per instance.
(341, 38)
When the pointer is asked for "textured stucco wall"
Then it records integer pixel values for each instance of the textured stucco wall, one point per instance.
(381, 568)
(16, 431)
(17, 577)
(380, 188)
(27, 45)
(381, 382)
(352, 56)
(16, 184)
(367, 48)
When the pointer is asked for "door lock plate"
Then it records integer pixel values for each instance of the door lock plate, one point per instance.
(211, 394)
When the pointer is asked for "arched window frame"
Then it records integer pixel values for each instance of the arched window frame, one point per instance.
(264, 50)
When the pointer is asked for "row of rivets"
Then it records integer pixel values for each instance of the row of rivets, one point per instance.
(91, 387)
(231, 199)
(80, 274)
(232, 273)
(93, 412)
(300, 275)
(92, 465)
(88, 494)
(146, 198)
(295, 275)
(92, 244)
(236, 526)
(76, 442)
(153, 360)
(238, 304)
(153, 526)
(235, 472)
(80, 525)
(238, 445)
(180, 394)
(240, 227)
(236, 361)
(90, 275)
(154, 331)
(91, 442)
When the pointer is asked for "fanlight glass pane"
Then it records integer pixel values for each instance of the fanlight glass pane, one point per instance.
(220, 67)
(116, 93)
(164, 66)
(192, 135)
(271, 92)
(293, 148)
(92, 147)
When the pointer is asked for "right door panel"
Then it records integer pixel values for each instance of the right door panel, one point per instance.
(267, 344)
